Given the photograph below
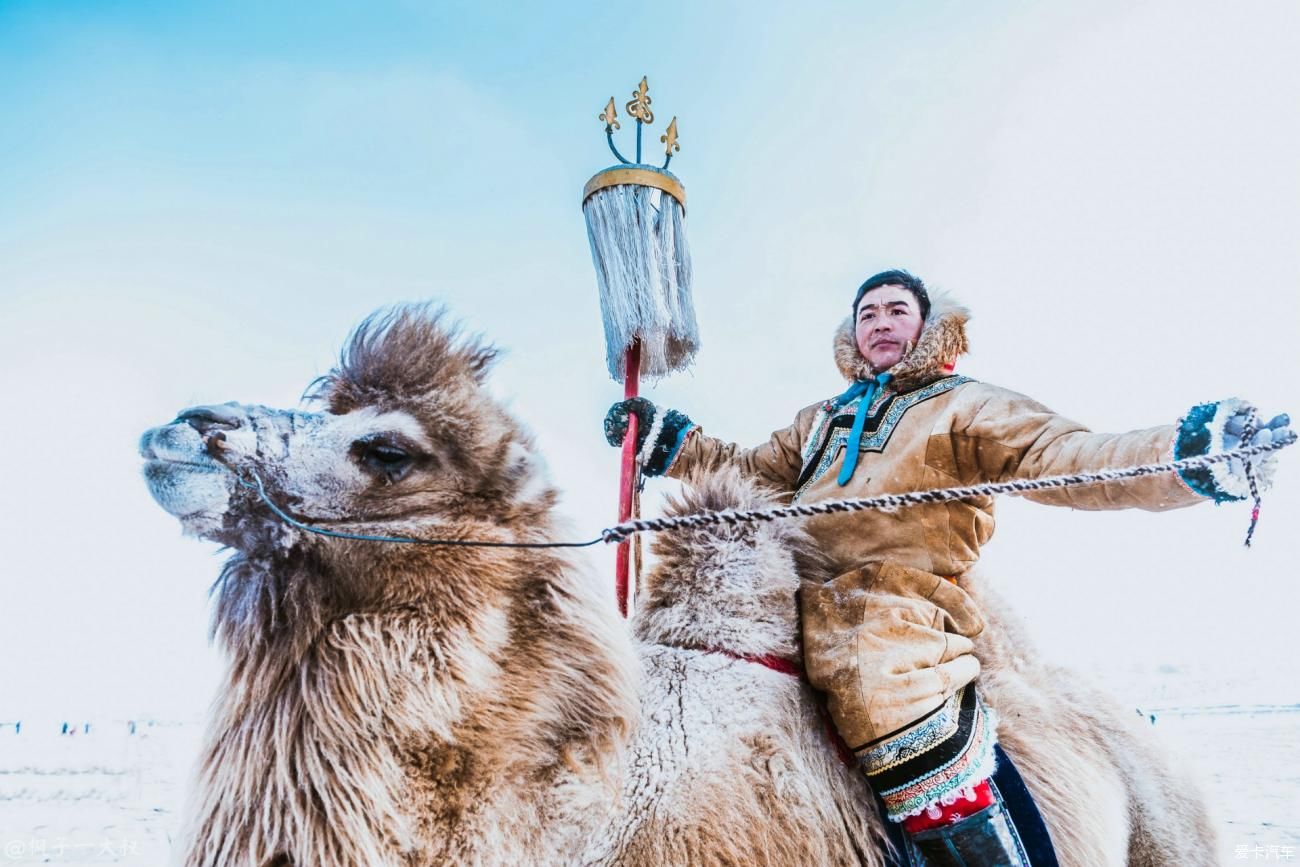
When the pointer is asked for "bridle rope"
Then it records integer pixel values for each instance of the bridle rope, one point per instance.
(883, 502)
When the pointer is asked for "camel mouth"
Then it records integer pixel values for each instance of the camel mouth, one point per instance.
(208, 465)
(179, 445)
(183, 478)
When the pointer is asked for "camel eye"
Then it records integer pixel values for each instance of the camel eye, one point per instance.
(387, 456)
(383, 456)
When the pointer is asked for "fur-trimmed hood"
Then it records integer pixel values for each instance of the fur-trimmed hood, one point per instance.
(942, 340)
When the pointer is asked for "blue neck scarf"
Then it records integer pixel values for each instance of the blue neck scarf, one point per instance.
(868, 389)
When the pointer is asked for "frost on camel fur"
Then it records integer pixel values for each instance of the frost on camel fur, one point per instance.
(391, 704)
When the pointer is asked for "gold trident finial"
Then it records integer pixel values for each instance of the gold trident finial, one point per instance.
(639, 109)
(670, 138)
(609, 116)
(639, 106)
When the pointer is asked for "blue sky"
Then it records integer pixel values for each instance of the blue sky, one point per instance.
(197, 201)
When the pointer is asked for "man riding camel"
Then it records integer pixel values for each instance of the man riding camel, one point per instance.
(889, 639)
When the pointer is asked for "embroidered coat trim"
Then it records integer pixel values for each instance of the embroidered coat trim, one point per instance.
(831, 427)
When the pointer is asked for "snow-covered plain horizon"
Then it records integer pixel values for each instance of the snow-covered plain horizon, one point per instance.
(196, 205)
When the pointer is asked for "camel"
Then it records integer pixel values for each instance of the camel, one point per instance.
(395, 704)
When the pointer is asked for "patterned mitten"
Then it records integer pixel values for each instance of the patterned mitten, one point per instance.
(1211, 428)
(659, 433)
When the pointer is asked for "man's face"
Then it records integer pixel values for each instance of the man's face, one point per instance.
(888, 318)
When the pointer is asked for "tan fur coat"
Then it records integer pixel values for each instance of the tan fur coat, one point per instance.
(933, 429)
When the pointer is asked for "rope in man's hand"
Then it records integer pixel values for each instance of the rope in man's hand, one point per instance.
(890, 502)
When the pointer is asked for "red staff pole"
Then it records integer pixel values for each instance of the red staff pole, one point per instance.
(628, 478)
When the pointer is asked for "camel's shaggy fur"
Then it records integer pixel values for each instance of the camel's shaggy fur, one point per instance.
(392, 704)
(397, 704)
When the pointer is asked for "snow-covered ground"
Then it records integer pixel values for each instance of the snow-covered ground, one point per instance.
(113, 796)
(1242, 737)
(104, 796)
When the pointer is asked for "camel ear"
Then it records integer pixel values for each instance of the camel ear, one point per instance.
(480, 360)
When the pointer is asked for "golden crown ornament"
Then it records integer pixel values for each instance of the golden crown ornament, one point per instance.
(635, 216)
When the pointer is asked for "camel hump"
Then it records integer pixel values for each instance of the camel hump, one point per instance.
(724, 489)
(730, 587)
(718, 489)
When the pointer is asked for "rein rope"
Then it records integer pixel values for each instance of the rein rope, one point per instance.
(884, 502)
(1247, 432)
(257, 485)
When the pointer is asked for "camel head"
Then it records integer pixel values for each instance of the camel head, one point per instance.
(729, 588)
(406, 441)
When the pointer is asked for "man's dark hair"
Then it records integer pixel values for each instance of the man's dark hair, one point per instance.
(895, 278)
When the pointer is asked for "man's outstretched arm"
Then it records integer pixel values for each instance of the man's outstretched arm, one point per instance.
(1008, 435)
(669, 443)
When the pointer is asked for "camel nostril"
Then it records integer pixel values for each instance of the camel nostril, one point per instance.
(207, 419)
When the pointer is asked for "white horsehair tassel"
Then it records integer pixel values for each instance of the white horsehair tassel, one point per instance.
(643, 271)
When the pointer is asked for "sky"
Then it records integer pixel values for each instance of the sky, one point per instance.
(198, 201)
